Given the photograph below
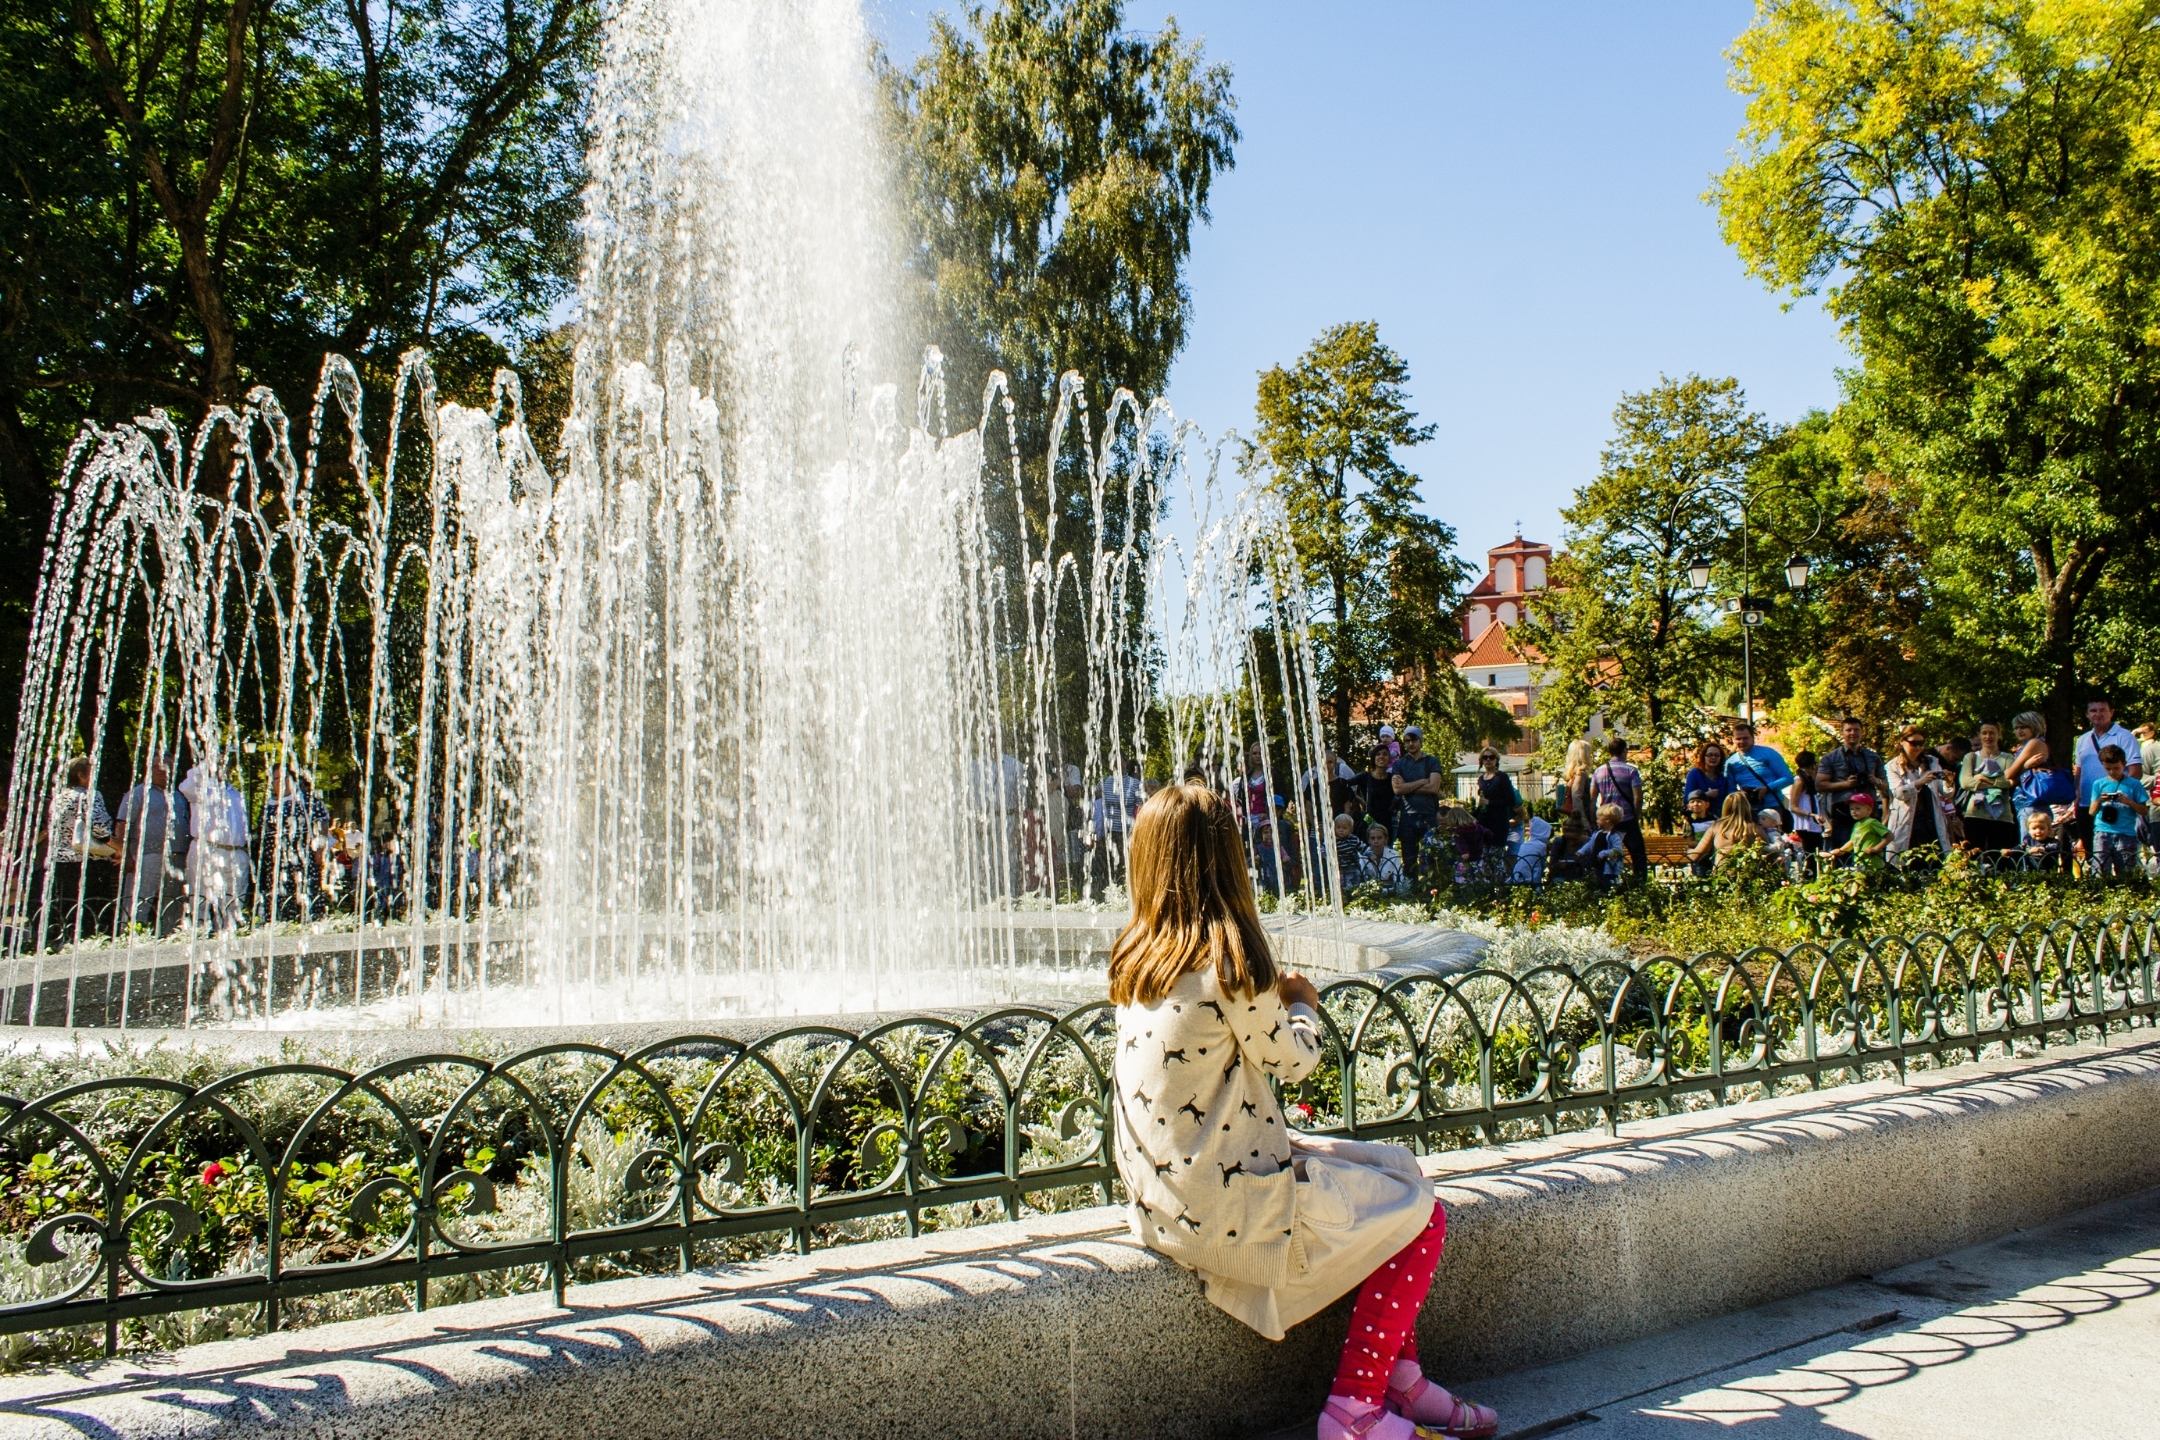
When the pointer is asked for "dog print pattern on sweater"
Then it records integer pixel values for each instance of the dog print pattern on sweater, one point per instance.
(1202, 1144)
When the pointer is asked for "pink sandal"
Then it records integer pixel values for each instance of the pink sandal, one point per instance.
(1466, 1421)
(1362, 1425)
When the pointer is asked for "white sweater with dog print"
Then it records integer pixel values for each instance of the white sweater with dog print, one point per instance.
(1278, 1224)
(1201, 1142)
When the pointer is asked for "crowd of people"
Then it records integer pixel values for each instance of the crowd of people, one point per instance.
(192, 853)
(2012, 802)
(2023, 802)
(188, 853)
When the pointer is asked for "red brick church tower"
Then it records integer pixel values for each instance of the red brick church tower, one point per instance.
(1513, 572)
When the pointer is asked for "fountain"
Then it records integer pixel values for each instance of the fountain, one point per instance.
(746, 702)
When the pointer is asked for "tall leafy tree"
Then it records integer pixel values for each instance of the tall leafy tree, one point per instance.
(1056, 169)
(1058, 166)
(1975, 186)
(1385, 585)
(204, 195)
(1877, 634)
(1621, 627)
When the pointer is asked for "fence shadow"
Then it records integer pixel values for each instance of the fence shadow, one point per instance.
(1972, 1306)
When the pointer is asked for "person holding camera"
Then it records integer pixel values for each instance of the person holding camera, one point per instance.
(2119, 801)
(1919, 804)
(2088, 765)
(1849, 769)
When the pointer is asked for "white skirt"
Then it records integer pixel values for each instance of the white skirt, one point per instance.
(1357, 1205)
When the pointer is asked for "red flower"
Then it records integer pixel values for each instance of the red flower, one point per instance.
(1301, 1111)
(212, 1173)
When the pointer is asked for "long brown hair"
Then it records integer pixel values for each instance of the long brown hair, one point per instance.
(1192, 902)
(1736, 822)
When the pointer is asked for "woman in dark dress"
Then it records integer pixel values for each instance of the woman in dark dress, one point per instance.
(1497, 800)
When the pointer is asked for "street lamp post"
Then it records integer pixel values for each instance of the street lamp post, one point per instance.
(1746, 605)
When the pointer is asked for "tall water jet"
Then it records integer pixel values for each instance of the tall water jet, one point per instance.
(738, 704)
(757, 710)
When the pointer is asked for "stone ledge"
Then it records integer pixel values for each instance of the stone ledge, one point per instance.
(1063, 1327)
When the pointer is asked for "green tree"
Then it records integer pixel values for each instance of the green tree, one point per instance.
(204, 195)
(1622, 628)
(1056, 167)
(1382, 577)
(1972, 184)
(1876, 634)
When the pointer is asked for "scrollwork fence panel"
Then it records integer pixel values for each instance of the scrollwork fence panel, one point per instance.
(133, 1196)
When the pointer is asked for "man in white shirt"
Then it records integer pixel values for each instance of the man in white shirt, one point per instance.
(217, 858)
(2085, 766)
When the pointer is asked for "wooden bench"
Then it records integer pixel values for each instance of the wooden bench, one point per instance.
(1668, 851)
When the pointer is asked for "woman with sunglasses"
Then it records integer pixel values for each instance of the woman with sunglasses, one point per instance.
(1915, 778)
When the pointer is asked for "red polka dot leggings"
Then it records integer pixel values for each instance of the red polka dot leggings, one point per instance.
(1383, 1323)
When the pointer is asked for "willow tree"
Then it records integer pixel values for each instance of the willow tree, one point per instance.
(1974, 185)
(1056, 169)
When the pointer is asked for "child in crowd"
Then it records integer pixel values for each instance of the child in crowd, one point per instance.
(1349, 852)
(1380, 865)
(1530, 851)
(1605, 852)
(2043, 847)
(1278, 1225)
(1458, 831)
(1784, 848)
(1869, 844)
(1700, 821)
(2118, 804)
(1267, 872)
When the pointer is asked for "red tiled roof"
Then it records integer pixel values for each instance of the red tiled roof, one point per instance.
(1494, 647)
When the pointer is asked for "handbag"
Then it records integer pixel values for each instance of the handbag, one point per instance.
(2046, 786)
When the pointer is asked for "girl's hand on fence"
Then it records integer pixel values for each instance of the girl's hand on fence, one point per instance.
(1295, 989)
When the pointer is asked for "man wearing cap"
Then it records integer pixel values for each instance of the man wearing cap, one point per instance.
(1416, 782)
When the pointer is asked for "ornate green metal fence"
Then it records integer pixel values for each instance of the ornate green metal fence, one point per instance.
(137, 1195)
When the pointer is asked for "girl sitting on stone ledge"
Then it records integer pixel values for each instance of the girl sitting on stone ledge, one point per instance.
(1278, 1225)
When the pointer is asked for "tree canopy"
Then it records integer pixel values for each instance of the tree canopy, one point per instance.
(1622, 628)
(1972, 185)
(205, 195)
(1056, 168)
(1385, 585)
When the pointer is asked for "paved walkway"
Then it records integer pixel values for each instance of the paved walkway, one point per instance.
(2049, 1333)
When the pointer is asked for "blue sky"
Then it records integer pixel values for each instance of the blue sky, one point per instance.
(1512, 191)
